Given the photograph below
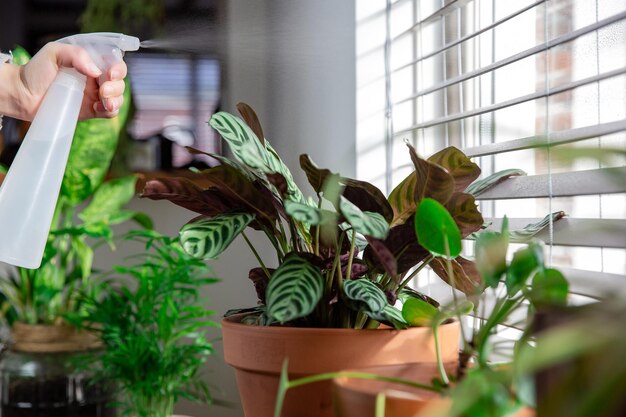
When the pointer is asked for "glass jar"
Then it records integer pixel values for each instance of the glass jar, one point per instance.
(51, 384)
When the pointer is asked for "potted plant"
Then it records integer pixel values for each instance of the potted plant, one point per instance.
(343, 259)
(485, 388)
(37, 369)
(151, 322)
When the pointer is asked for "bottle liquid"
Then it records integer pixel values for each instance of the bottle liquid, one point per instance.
(30, 190)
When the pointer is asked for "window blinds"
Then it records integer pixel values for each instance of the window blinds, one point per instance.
(523, 84)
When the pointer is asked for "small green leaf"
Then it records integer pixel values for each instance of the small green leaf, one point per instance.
(206, 238)
(20, 56)
(549, 288)
(365, 296)
(490, 251)
(294, 290)
(436, 229)
(418, 312)
(525, 262)
(365, 222)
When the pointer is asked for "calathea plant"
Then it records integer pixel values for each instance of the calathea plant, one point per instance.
(343, 258)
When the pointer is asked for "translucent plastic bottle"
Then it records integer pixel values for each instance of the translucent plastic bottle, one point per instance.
(31, 188)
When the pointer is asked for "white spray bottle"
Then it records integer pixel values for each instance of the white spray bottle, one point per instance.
(30, 190)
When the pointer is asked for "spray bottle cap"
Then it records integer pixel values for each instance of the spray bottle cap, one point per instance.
(104, 48)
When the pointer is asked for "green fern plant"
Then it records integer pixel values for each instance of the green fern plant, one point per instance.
(152, 324)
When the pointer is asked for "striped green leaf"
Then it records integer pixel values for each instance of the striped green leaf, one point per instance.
(242, 141)
(208, 237)
(462, 169)
(402, 199)
(390, 315)
(308, 214)
(365, 222)
(275, 164)
(365, 296)
(480, 186)
(294, 289)
(253, 152)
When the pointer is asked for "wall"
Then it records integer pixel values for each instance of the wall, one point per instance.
(293, 61)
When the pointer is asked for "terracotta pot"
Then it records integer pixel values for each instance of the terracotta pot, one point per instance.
(357, 397)
(257, 354)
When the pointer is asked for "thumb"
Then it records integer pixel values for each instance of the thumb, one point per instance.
(75, 57)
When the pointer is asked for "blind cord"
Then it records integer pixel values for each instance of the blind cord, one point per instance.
(388, 101)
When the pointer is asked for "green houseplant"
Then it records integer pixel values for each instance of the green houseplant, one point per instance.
(484, 389)
(36, 302)
(151, 324)
(343, 259)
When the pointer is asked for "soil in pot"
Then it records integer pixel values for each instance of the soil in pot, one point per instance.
(39, 375)
(257, 354)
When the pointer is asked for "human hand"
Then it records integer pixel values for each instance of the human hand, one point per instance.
(35, 77)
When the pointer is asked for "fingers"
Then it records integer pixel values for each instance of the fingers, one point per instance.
(111, 110)
(117, 71)
(75, 57)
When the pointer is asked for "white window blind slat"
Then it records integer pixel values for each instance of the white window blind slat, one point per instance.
(552, 139)
(589, 182)
(607, 233)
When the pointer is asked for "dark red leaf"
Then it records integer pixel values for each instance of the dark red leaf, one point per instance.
(464, 211)
(466, 276)
(402, 243)
(185, 193)
(362, 194)
(260, 280)
(249, 116)
(432, 180)
(462, 169)
(384, 256)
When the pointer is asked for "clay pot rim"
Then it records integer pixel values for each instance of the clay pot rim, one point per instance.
(234, 322)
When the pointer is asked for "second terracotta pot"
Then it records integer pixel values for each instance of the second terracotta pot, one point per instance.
(257, 354)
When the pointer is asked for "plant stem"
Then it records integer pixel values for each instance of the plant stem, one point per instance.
(417, 270)
(452, 283)
(360, 375)
(351, 255)
(380, 404)
(442, 371)
(256, 255)
(317, 228)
